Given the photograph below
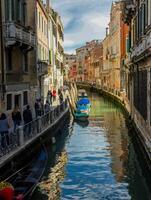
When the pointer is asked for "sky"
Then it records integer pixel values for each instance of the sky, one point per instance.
(83, 20)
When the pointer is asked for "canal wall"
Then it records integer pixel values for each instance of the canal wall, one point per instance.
(139, 132)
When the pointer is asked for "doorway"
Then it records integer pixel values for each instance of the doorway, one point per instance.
(17, 101)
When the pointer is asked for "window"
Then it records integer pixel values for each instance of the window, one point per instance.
(9, 59)
(25, 62)
(149, 12)
(39, 21)
(25, 98)
(39, 51)
(42, 24)
(9, 101)
(24, 12)
(18, 10)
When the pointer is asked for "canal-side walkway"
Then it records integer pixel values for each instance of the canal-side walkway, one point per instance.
(25, 135)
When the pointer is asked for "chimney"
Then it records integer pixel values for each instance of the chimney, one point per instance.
(107, 31)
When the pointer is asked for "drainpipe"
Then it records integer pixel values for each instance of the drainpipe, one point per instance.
(2, 52)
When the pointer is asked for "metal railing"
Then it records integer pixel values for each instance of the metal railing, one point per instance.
(24, 134)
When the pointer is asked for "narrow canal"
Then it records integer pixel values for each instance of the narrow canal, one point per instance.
(99, 160)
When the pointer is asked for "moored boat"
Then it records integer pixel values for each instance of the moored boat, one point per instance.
(25, 180)
(82, 94)
(82, 109)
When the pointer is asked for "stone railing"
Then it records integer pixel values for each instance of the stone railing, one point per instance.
(12, 142)
(15, 32)
(43, 67)
(143, 45)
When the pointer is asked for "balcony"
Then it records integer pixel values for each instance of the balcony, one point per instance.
(139, 49)
(144, 46)
(15, 33)
(43, 68)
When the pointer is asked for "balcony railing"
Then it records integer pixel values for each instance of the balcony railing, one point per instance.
(144, 45)
(43, 68)
(14, 32)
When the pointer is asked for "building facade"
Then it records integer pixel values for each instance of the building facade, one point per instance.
(69, 59)
(85, 61)
(138, 16)
(97, 63)
(43, 47)
(105, 80)
(18, 54)
(114, 47)
(72, 75)
(31, 53)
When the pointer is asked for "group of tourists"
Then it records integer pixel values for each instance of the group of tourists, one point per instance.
(10, 123)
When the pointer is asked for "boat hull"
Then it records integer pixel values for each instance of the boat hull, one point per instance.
(25, 180)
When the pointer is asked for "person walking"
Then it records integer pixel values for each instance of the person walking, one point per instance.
(16, 117)
(47, 110)
(41, 108)
(49, 97)
(54, 94)
(27, 117)
(47, 107)
(4, 131)
(61, 97)
(37, 108)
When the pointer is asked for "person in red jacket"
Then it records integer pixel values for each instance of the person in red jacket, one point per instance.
(54, 94)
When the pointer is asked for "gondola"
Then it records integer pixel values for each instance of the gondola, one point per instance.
(25, 180)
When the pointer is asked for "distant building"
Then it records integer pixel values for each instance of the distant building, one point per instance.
(114, 50)
(69, 59)
(83, 57)
(97, 63)
(72, 75)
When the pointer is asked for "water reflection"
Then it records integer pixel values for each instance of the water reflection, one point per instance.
(83, 124)
(100, 160)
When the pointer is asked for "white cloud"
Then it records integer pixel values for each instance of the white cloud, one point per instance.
(68, 43)
(83, 20)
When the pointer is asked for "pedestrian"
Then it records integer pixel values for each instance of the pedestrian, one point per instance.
(49, 97)
(47, 110)
(61, 97)
(4, 131)
(54, 94)
(37, 108)
(16, 117)
(41, 108)
(27, 117)
(47, 107)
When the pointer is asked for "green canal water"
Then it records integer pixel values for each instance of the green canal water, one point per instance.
(96, 160)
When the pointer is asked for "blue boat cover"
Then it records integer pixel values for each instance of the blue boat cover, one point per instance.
(84, 101)
(82, 107)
